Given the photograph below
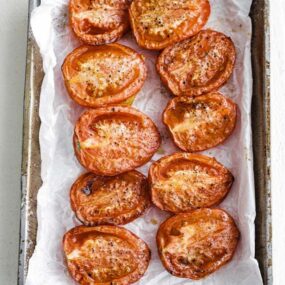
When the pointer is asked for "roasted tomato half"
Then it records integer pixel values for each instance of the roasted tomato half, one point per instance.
(112, 140)
(198, 65)
(199, 123)
(183, 181)
(96, 76)
(98, 22)
(194, 245)
(117, 200)
(105, 255)
(159, 23)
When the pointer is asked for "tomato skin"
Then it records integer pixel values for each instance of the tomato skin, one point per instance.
(113, 140)
(115, 200)
(97, 76)
(108, 29)
(182, 182)
(194, 245)
(200, 123)
(198, 65)
(154, 22)
(105, 255)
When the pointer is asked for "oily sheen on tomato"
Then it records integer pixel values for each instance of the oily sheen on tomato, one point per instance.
(182, 182)
(105, 255)
(194, 245)
(200, 123)
(157, 24)
(117, 200)
(97, 76)
(99, 22)
(197, 65)
(113, 140)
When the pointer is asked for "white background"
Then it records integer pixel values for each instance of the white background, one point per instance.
(13, 30)
(13, 26)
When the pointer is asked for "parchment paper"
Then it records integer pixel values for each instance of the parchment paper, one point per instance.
(60, 168)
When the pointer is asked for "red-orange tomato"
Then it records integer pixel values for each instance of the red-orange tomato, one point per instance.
(116, 200)
(97, 76)
(194, 245)
(200, 123)
(99, 22)
(157, 24)
(182, 182)
(105, 255)
(198, 65)
(112, 140)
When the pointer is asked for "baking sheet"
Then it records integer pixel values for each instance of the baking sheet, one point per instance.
(260, 46)
(60, 168)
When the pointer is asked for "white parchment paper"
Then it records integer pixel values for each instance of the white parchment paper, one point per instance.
(60, 168)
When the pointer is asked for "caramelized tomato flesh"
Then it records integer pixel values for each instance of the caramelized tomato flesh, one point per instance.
(194, 245)
(200, 123)
(198, 65)
(105, 254)
(99, 22)
(183, 181)
(158, 23)
(113, 200)
(103, 75)
(113, 140)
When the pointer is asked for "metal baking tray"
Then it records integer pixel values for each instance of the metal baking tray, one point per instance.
(31, 162)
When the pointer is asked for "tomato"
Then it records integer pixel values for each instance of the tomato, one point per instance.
(116, 200)
(198, 65)
(96, 76)
(105, 255)
(182, 182)
(112, 140)
(200, 123)
(99, 22)
(194, 245)
(157, 24)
